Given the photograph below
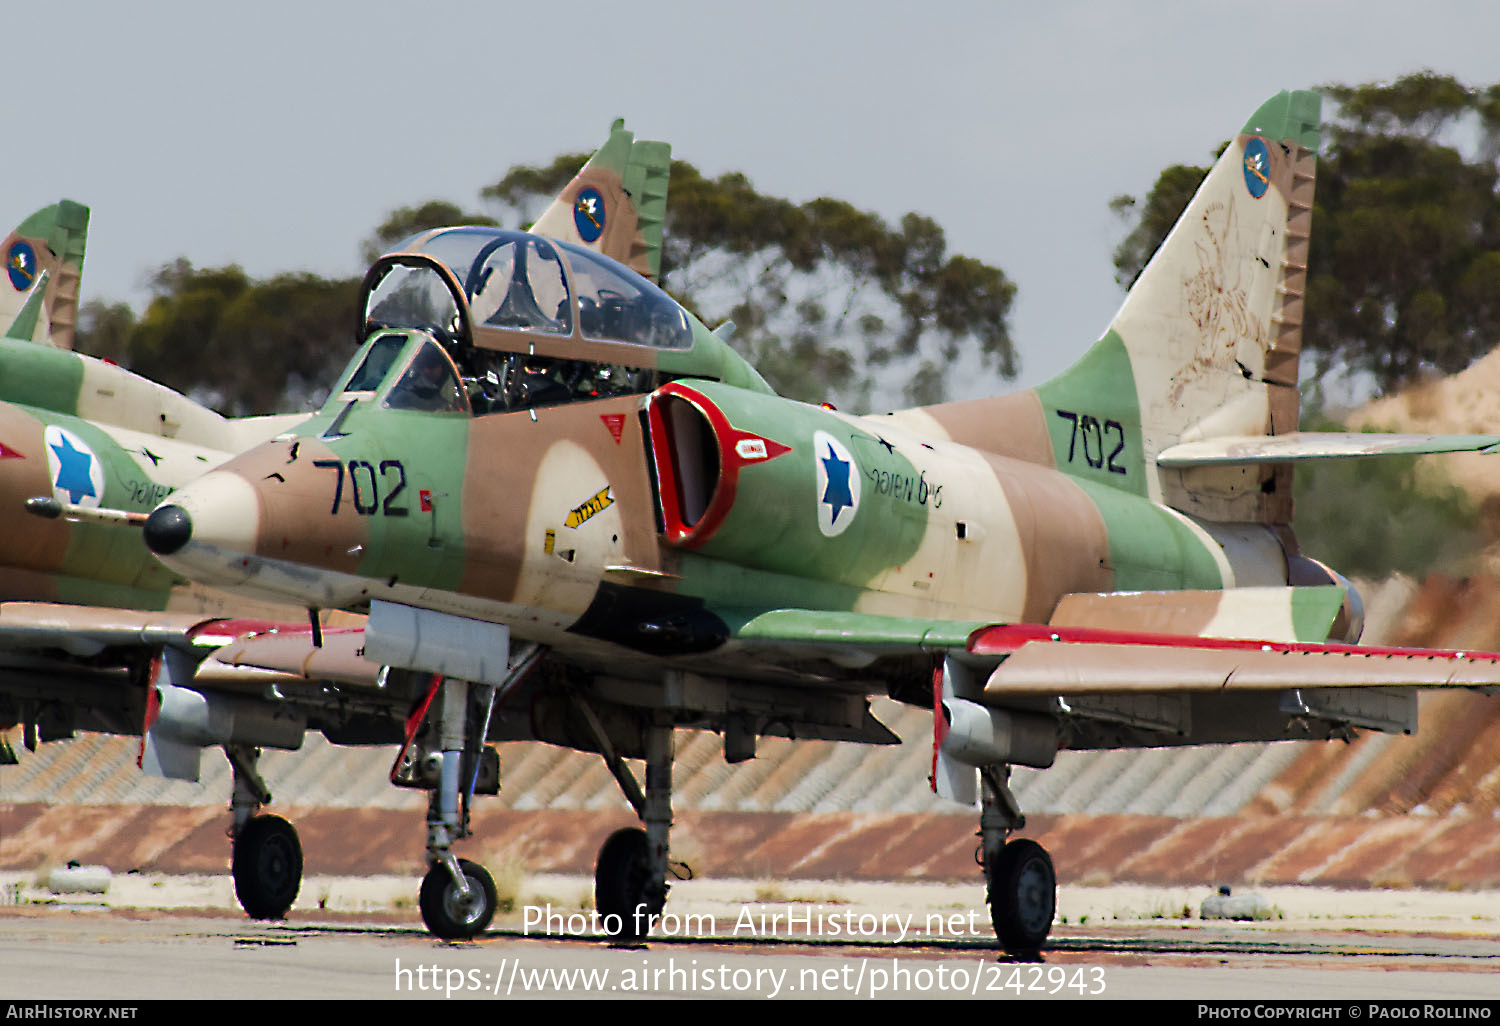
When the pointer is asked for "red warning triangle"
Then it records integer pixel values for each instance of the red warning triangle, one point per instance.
(616, 424)
(7, 453)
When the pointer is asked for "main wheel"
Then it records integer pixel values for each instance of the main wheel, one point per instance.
(623, 891)
(1022, 896)
(448, 913)
(267, 867)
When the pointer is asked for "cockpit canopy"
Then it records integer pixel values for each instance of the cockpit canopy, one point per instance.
(508, 290)
(483, 320)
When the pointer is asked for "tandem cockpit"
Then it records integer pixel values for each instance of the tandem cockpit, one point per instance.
(477, 321)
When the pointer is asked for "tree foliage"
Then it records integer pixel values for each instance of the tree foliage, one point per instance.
(1404, 276)
(1374, 517)
(407, 221)
(1159, 211)
(828, 301)
(240, 345)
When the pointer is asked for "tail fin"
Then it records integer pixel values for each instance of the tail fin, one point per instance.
(1206, 344)
(617, 204)
(44, 265)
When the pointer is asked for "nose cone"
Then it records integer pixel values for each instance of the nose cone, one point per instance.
(168, 529)
(206, 528)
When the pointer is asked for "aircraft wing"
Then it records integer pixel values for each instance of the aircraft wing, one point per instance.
(1045, 660)
(65, 668)
(88, 630)
(1063, 659)
(1302, 614)
(1019, 693)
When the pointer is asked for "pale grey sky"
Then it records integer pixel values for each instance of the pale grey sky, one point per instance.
(277, 134)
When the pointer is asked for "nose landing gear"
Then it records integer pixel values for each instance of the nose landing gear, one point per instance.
(457, 906)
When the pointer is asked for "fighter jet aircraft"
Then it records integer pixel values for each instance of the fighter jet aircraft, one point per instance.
(575, 515)
(96, 635)
(84, 609)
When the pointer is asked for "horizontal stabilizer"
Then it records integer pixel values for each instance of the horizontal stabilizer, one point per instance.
(1315, 445)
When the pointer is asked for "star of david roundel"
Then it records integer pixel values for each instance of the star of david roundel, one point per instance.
(838, 479)
(77, 474)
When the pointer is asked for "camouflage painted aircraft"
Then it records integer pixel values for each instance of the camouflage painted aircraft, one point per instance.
(84, 609)
(575, 515)
(95, 634)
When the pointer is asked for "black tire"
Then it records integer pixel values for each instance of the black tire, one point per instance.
(267, 867)
(445, 912)
(623, 892)
(1022, 896)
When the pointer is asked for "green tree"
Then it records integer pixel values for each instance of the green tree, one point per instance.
(1158, 212)
(239, 345)
(828, 301)
(407, 221)
(1404, 276)
(1373, 517)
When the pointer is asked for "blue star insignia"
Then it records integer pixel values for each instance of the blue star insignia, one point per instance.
(73, 471)
(837, 493)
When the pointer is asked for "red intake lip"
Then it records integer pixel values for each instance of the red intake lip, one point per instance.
(733, 448)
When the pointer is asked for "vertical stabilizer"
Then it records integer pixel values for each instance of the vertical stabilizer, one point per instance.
(617, 204)
(43, 269)
(1206, 344)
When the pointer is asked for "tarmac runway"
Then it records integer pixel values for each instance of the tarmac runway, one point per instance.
(873, 941)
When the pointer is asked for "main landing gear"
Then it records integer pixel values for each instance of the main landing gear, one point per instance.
(267, 857)
(630, 875)
(1020, 885)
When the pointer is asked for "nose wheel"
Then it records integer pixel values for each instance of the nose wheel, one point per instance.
(267, 866)
(449, 912)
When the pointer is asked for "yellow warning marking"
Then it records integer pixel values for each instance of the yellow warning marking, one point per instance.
(595, 505)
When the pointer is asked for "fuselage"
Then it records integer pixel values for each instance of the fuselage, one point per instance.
(532, 435)
(94, 437)
(591, 515)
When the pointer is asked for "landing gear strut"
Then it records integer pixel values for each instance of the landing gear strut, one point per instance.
(1021, 886)
(267, 857)
(630, 876)
(458, 896)
(446, 754)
